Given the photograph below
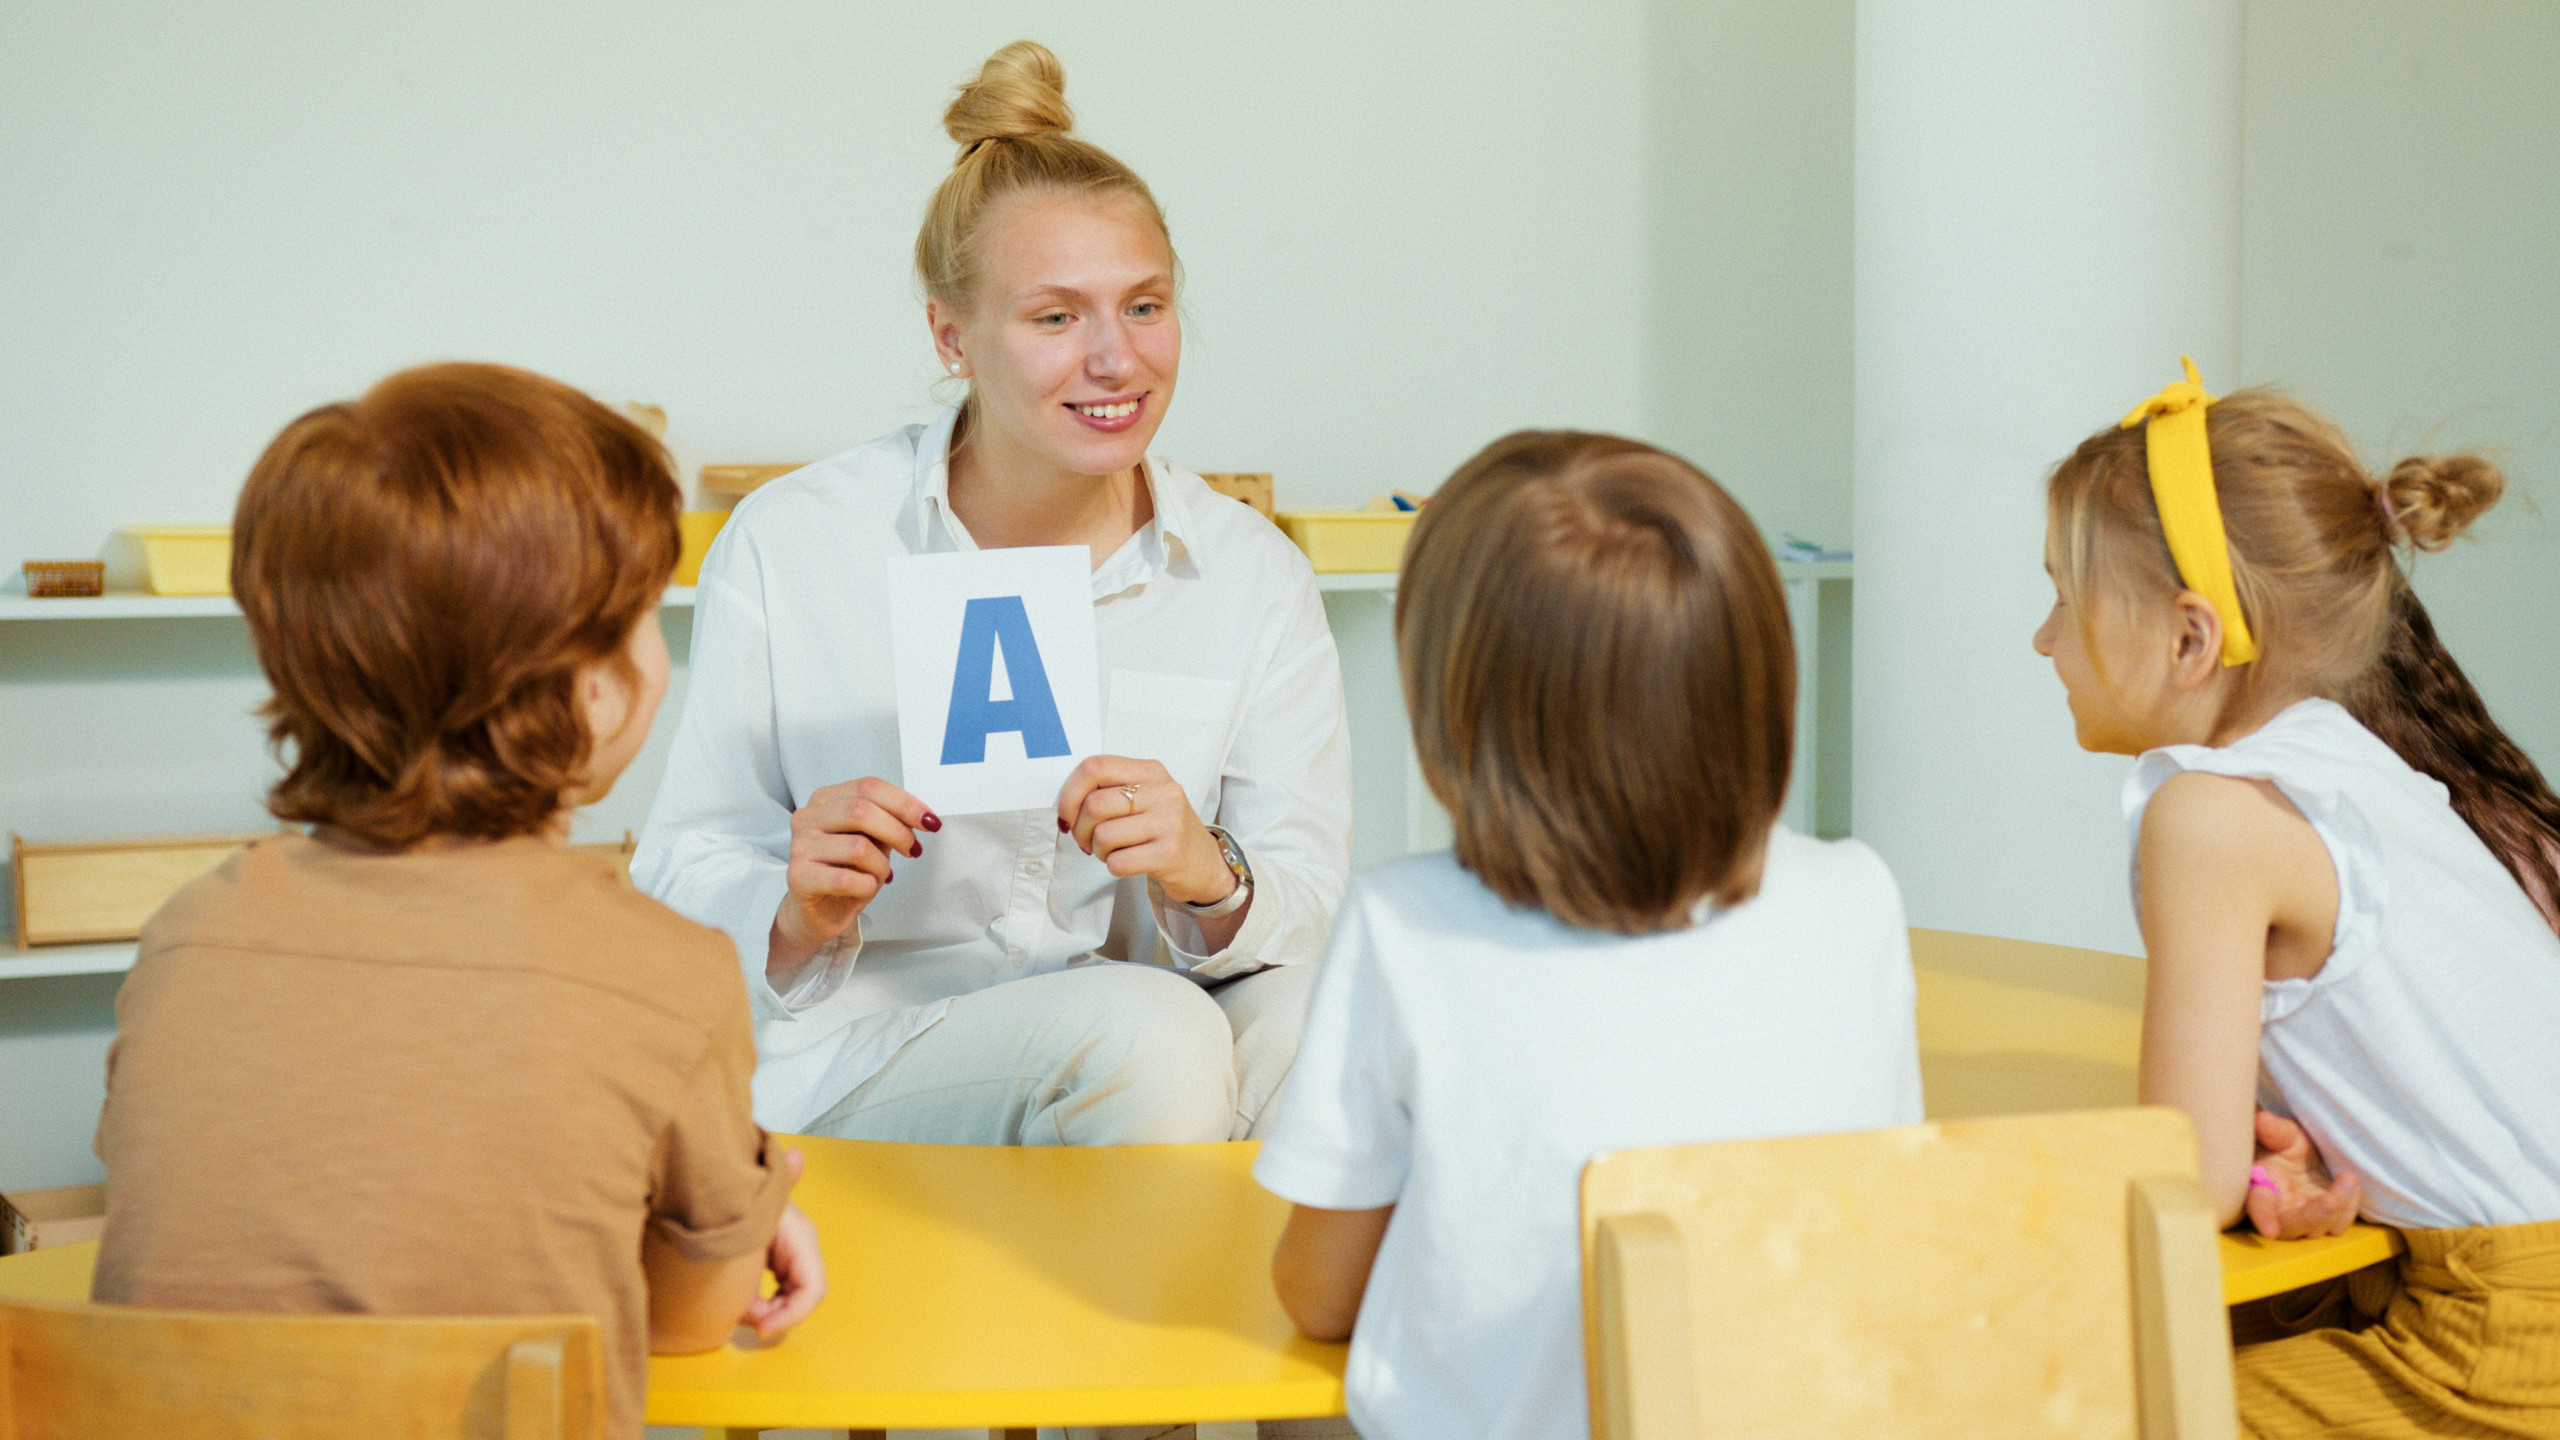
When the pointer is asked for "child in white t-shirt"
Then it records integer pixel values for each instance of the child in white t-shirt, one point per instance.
(1623, 949)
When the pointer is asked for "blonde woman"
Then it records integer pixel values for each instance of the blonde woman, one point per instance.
(977, 1001)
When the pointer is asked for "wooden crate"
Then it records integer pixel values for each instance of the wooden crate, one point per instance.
(618, 851)
(42, 1219)
(87, 891)
(733, 482)
(51, 579)
(1253, 487)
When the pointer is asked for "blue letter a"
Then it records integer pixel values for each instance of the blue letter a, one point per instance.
(975, 712)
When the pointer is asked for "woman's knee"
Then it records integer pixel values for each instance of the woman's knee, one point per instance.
(1153, 1062)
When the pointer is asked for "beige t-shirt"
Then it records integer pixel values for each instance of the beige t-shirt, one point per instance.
(455, 1081)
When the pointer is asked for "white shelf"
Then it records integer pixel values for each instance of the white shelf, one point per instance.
(135, 606)
(16, 964)
(1814, 569)
(1386, 579)
(1357, 580)
(18, 605)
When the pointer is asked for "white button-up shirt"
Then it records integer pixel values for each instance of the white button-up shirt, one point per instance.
(1215, 660)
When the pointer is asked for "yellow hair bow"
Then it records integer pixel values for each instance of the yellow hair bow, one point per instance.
(2173, 439)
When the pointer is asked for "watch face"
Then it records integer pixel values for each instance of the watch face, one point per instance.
(1234, 855)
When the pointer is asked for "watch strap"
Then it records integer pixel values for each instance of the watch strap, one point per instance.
(1235, 899)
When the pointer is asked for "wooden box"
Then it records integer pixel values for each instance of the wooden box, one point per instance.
(618, 851)
(1253, 487)
(42, 1219)
(184, 559)
(1342, 541)
(87, 891)
(733, 482)
(53, 579)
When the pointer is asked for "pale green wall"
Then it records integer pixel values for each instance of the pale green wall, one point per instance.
(1747, 109)
(2402, 273)
(2401, 269)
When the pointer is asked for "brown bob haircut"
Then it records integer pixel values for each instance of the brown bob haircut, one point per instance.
(1597, 661)
(425, 570)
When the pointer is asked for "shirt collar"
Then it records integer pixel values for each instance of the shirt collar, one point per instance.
(1165, 545)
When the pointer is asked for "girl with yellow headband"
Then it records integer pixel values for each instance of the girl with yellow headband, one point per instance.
(2345, 875)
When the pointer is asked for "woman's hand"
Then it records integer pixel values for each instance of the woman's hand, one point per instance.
(1133, 817)
(840, 846)
(2291, 1193)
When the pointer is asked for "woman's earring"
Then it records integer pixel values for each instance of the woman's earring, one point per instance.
(955, 367)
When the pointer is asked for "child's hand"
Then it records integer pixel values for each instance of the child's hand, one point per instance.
(2291, 1193)
(799, 1275)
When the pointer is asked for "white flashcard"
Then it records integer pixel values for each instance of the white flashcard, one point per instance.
(998, 689)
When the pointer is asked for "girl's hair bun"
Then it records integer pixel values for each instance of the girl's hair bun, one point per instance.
(2431, 499)
(1020, 92)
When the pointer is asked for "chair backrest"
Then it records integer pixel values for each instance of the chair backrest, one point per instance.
(76, 1372)
(2035, 1275)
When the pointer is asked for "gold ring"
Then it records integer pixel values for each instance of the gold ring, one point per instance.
(1132, 792)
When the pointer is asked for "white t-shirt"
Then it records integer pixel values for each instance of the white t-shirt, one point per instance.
(2425, 1055)
(1464, 1059)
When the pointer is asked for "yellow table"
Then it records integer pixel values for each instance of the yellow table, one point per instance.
(2011, 1026)
(1000, 1287)
(1013, 1287)
(1018, 1286)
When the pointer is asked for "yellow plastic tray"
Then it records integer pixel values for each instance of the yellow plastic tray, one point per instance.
(1343, 541)
(184, 559)
(700, 527)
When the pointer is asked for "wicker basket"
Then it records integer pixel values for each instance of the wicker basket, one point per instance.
(50, 579)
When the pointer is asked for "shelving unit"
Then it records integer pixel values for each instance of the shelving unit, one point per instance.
(16, 964)
(74, 690)
(16, 604)
(1358, 580)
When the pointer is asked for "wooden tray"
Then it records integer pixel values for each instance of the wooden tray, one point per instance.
(86, 891)
(1253, 487)
(736, 481)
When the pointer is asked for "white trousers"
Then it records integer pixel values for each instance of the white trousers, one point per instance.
(1101, 1054)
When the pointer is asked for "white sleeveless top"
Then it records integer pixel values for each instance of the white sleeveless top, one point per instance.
(2425, 1055)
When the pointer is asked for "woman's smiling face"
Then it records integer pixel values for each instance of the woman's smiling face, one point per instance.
(1072, 342)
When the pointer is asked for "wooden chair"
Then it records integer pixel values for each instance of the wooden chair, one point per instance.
(2033, 1275)
(77, 1372)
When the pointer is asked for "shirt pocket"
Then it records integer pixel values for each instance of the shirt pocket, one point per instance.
(1183, 722)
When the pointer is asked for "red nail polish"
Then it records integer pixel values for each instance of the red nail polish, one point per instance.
(892, 880)
(1063, 826)
(932, 823)
(915, 851)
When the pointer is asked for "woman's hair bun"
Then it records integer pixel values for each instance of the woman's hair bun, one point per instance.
(2434, 498)
(1020, 92)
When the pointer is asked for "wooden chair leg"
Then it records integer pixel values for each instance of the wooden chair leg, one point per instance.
(1641, 1285)
(2181, 1332)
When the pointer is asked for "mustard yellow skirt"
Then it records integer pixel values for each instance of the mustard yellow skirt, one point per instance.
(2459, 1337)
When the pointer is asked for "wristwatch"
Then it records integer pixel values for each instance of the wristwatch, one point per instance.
(1233, 854)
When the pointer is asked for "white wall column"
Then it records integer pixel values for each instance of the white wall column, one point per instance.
(2047, 215)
